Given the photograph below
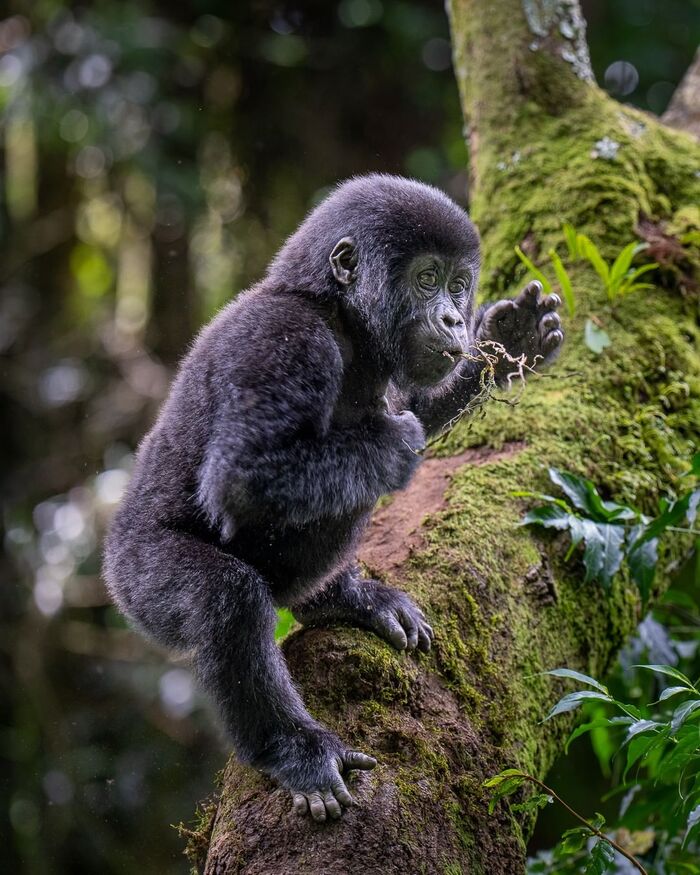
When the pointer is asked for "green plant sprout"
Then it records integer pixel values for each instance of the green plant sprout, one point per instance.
(619, 278)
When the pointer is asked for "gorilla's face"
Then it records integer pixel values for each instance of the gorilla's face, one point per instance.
(434, 333)
(420, 314)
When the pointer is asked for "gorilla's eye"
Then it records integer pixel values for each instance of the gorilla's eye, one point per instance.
(458, 285)
(428, 279)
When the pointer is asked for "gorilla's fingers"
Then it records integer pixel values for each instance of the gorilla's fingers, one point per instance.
(332, 804)
(552, 341)
(549, 321)
(393, 631)
(410, 626)
(551, 302)
(301, 806)
(354, 759)
(423, 637)
(530, 294)
(341, 792)
(316, 806)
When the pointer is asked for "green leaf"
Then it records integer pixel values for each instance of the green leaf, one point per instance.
(695, 465)
(535, 271)
(640, 726)
(671, 672)
(505, 788)
(572, 701)
(692, 822)
(564, 280)
(576, 676)
(597, 821)
(603, 553)
(590, 251)
(550, 517)
(575, 488)
(595, 338)
(634, 275)
(679, 756)
(598, 723)
(285, 621)
(602, 857)
(617, 511)
(638, 748)
(637, 287)
(574, 839)
(671, 515)
(577, 528)
(642, 559)
(682, 713)
(571, 241)
(534, 803)
(585, 496)
(671, 691)
(622, 263)
(542, 496)
(502, 776)
(608, 511)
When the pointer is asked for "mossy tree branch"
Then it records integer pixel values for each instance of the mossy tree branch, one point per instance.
(504, 603)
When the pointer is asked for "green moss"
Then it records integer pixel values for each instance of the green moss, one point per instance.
(372, 712)
(198, 834)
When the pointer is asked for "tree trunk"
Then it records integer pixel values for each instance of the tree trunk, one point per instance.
(684, 109)
(503, 602)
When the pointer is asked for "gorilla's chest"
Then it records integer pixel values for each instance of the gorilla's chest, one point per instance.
(361, 395)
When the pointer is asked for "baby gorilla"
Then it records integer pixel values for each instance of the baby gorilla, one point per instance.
(302, 403)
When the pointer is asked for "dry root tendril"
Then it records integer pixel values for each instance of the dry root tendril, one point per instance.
(494, 357)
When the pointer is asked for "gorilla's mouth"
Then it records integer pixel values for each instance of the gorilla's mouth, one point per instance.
(451, 353)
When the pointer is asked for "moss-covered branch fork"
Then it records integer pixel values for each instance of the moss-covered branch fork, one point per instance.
(502, 601)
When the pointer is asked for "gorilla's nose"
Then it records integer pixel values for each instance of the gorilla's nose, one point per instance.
(452, 320)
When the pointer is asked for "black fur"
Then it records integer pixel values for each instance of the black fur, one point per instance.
(256, 482)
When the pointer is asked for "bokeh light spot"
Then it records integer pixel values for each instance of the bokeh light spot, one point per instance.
(621, 78)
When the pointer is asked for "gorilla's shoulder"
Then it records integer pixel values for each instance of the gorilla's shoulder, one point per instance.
(269, 335)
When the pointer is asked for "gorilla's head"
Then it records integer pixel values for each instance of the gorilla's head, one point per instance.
(402, 257)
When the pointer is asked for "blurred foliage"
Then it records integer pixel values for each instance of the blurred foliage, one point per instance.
(597, 776)
(153, 156)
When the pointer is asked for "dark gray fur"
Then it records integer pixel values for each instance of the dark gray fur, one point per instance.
(254, 486)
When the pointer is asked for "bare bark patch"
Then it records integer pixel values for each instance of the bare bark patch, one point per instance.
(395, 531)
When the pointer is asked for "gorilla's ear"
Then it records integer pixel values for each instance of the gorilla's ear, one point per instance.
(343, 260)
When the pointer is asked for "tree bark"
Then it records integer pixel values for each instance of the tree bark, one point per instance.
(503, 602)
(684, 109)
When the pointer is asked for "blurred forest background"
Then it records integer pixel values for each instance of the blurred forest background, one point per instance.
(154, 156)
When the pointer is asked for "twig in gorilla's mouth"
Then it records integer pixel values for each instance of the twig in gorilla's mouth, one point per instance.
(444, 352)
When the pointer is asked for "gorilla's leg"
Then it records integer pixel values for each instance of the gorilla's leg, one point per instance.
(388, 612)
(187, 593)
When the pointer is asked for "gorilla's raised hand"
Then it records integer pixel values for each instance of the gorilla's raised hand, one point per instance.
(528, 324)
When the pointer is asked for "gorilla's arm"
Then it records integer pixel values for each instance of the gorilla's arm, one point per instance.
(527, 324)
(437, 407)
(276, 451)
